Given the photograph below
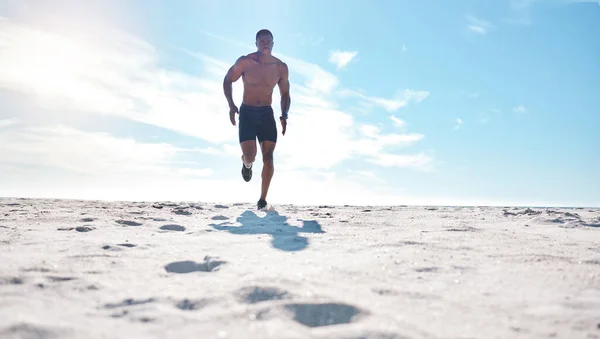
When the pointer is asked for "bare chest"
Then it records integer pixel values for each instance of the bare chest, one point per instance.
(262, 75)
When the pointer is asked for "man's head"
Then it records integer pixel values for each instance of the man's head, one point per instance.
(264, 41)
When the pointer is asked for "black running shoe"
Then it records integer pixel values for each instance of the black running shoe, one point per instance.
(246, 172)
(261, 204)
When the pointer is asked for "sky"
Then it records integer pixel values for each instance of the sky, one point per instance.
(393, 102)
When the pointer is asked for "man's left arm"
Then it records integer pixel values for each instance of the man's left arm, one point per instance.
(284, 90)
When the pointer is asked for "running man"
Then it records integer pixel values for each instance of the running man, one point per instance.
(260, 72)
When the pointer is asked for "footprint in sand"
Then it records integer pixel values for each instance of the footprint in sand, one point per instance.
(172, 227)
(36, 269)
(78, 228)
(11, 281)
(323, 314)
(221, 206)
(426, 269)
(208, 265)
(462, 229)
(191, 305)
(182, 211)
(128, 222)
(112, 248)
(126, 304)
(127, 245)
(257, 294)
(593, 223)
(25, 330)
(219, 217)
(59, 279)
(384, 291)
(88, 220)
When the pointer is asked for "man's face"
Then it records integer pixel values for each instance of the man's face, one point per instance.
(264, 43)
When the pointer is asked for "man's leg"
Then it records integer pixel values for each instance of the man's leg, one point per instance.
(248, 151)
(248, 156)
(267, 148)
(247, 138)
(267, 137)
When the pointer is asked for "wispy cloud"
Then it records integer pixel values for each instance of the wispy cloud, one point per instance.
(398, 122)
(477, 25)
(373, 145)
(8, 122)
(459, 123)
(521, 11)
(404, 48)
(342, 58)
(92, 153)
(520, 109)
(113, 74)
(305, 40)
(401, 98)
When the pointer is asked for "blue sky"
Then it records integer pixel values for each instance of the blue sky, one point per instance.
(393, 102)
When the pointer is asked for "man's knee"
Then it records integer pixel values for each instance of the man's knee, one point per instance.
(268, 157)
(249, 157)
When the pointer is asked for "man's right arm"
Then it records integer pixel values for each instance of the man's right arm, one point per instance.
(233, 74)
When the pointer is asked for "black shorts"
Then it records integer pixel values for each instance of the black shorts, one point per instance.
(257, 122)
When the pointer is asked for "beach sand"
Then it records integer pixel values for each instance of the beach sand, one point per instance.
(97, 269)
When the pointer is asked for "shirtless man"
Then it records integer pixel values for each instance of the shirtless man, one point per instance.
(260, 72)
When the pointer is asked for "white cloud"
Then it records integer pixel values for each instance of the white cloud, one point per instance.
(342, 58)
(8, 122)
(373, 144)
(316, 80)
(487, 116)
(398, 122)
(317, 137)
(459, 122)
(521, 11)
(301, 39)
(110, 73)
(520, 109)
(90, 153)
(44, 161)
(401, 99)
(421, 160)
(478, 25)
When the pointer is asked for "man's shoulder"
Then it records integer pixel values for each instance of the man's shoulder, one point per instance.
(247, 57)
(280, 63)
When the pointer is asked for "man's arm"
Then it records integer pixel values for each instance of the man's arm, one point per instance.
(233, 74)
(284, 90)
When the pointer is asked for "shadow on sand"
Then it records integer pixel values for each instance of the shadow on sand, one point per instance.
(285, 236)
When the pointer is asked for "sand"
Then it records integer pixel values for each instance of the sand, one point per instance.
(97, 269)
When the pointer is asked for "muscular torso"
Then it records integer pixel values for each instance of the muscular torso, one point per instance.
(259, 80)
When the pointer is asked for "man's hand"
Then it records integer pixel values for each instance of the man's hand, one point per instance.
(283, 125)
(232, 111)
